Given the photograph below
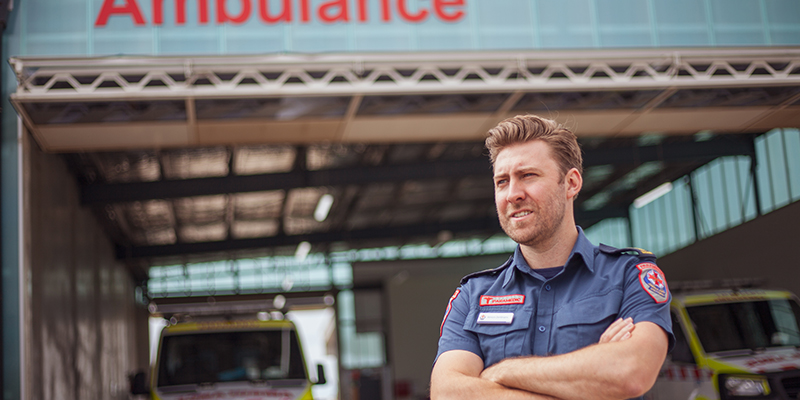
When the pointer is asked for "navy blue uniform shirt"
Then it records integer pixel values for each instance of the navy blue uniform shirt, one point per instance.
(514, 311)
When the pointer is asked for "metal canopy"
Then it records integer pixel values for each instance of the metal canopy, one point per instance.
(167, 102)
(220, 157)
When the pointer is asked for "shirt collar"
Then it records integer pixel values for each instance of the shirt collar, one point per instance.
(582, 253)
(583, 248)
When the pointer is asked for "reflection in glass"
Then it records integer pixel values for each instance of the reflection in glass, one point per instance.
(230, 356)
(752, 325)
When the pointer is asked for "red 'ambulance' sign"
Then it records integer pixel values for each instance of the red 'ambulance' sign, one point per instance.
(283, 11)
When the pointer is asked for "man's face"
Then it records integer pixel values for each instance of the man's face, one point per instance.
(530, 192)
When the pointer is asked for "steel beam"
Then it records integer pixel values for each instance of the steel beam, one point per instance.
(138, 191)
(623, 155)
(485, 227)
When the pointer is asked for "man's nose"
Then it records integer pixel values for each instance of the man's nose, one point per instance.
(515, 192)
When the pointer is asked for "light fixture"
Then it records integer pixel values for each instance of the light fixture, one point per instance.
(279, 301)
(302, 251)
(323, 207)
(652, 195)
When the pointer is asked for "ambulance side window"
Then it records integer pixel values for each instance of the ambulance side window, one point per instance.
(681, 353)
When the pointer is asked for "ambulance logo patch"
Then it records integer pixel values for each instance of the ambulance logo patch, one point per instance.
(653, 282)
(502, 300)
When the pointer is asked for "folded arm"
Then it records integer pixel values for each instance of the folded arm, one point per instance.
(456, 375)
(615, 370)
(459, 374)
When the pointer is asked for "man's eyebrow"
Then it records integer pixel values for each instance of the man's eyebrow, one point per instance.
(527, 169)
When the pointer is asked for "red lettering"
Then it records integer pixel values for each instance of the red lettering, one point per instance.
(329, 11)
(223, 16)
(158, 12)
(455, 15)
(362, 10)
(305, 15)
(202, 6)
(286, 14)
(386, 11)
(342, 15)
(418, 17)
(130, 8)
(180, 12)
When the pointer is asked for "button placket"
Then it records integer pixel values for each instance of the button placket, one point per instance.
(544, 319)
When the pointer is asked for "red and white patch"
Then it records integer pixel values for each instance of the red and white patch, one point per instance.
(502, 300)
(447, 312)
(652, 280)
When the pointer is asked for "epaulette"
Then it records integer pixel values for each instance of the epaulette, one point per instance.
(491, 271)
(633, 251)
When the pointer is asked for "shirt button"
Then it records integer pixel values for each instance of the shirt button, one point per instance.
(541, 329)
(547, 287)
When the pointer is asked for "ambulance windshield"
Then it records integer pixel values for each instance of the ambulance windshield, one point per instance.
(752, 325)
(202, 358)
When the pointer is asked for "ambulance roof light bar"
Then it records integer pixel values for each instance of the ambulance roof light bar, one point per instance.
(229, 308)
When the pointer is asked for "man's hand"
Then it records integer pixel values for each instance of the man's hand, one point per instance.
(620, 330)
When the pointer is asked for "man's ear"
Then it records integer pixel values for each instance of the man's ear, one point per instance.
(574, 182)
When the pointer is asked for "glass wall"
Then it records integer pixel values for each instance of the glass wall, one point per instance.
(718, 196)
(203, 27)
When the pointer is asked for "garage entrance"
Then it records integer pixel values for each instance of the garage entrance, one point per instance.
(350, 175)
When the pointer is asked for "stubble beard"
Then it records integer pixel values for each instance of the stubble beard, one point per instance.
(541, 229)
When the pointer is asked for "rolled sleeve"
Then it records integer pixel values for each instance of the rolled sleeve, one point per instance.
(642, 306)
(453, 336)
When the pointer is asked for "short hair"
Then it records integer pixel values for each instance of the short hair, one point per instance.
(525, 128)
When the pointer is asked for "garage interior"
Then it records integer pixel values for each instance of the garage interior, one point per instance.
(143, 163)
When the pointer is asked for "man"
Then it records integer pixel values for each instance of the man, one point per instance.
(562, 318)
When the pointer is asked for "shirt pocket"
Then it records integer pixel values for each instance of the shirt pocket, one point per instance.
(582, 322)
(499, 341)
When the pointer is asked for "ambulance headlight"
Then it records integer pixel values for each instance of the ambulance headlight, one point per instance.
(745, 385)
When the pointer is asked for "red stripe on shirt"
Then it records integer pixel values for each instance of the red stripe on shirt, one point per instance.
(447, 312)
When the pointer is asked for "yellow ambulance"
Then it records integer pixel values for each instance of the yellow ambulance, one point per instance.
(732, 344)
(232, 359)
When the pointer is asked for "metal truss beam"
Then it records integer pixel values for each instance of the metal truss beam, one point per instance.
(628, 155)
(129, 78)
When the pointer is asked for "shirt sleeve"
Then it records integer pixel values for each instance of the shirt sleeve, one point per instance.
(452, 333)
(646, 296)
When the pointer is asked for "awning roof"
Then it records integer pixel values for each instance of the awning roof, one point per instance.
(227, 155)
(161, 102)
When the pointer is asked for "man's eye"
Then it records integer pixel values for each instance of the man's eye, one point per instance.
(500, 182)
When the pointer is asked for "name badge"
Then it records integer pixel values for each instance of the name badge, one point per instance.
(495, 318)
